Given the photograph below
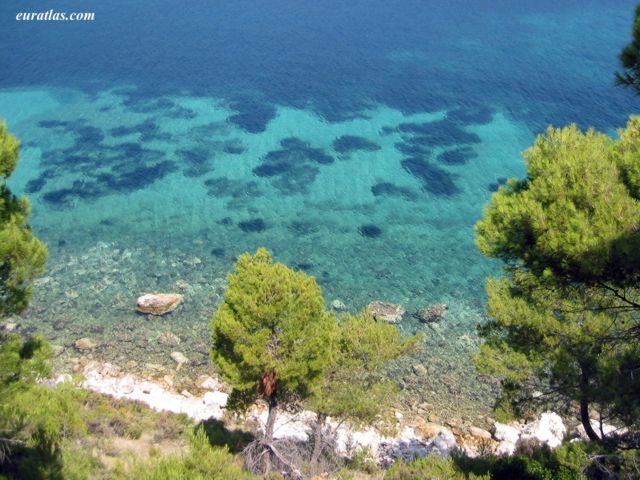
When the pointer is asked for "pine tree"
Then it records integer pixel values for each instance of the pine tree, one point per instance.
(564, 320)
(271, 337)
(354, 387)
(22, 255)
(630, 58)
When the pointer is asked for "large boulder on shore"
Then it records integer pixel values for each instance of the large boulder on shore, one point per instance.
(158, 303)
(387, 312)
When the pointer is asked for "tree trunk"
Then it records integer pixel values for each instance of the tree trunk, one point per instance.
(317, 438)
(584, 405)
(268, 431)
(271, 419)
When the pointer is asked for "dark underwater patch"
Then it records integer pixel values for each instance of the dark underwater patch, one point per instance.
(297, 180)
(370, 230)
(353, 143)
(197, 162)
(434, 180)
(222, 187)
(85, 190)
(457, 156)
(218, 252)
(179, 111)
(303, 266)
(134, 177)
(100, 169)
(225, 221)
(57, 197)
(148, 131)
(52, 124)
(272, 169)
(233, 147)
(253, 115)
(293, 143)
(292, 168)
(408, 147)
(255, 225)
(129, 178)
(295, 149)
(388, 189)
(35, 185)
(88, 136)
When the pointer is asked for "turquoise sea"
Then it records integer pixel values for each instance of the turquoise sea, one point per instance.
(357, 140)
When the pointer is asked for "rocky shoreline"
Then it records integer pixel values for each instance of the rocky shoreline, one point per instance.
(414, 438)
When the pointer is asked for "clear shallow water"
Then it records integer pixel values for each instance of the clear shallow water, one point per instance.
(356, 140)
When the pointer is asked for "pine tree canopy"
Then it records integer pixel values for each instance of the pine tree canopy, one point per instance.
(271, 332)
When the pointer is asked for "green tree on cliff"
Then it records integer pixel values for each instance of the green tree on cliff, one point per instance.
(22, 258)
(630, 58)
(271, 339)
(353, 386)
(564, 320)
(22, 255)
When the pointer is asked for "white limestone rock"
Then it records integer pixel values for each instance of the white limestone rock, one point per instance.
(549, 429)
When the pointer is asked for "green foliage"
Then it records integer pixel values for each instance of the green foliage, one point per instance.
(630, 59)
(563, 318)
(566, 463)
(431, 467)
(34, 418)
(575, 214)
(9, 148)
(271, 322)
(202, 461)
(22, 255)
(21, 363)
(353, 386)
(77, 463)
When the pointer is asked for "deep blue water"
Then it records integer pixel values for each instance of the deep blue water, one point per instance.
(356, 139)
(545, 61)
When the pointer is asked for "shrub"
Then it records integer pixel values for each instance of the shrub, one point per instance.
(202, 461)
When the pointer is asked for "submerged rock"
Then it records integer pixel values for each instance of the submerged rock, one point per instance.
(85, 344)
(338, 305)
(158, 303)
(179, 358)
(10, 326)
(419, 370)
(387, 312)
(432, 313)
(169, 338)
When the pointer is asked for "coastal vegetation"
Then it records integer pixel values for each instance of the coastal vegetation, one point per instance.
(22, 255)
(564, 322)
(630, 58)
(562, 333)
(273, 340)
